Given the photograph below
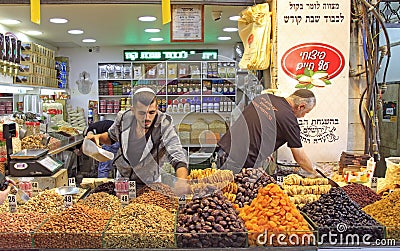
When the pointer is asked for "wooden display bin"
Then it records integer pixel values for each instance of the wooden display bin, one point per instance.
(59, 179)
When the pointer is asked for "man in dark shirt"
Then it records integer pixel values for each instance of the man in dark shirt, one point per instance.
(266, 124)
(99, 127)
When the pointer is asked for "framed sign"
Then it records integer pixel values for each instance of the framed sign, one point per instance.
(187, 23)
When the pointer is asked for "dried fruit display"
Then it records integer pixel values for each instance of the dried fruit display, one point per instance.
(210, 221)
(386, 212)
(108, 187)
(336, 214)
(199, 179)
(361, 194)
(249, 181)
(272, 212)
(304, 190)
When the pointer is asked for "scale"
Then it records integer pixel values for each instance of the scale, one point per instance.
(33, 162)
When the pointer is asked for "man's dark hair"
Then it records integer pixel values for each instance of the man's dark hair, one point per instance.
(144, 97)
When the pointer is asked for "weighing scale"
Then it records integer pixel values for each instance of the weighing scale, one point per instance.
(33, 162)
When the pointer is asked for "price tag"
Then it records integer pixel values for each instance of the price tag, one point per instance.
(35, 188)
(124, 199)
(279, 180)
(12, 202)
(182, 201)
(71, 182)
(132, 189)
(68, 200)
(374, 183)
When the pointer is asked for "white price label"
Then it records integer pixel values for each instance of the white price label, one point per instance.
(132, 189)
(12, 202)
(124, 199)
(71, 182)
(182, 201)
(35, 187)
(68, 200)
(279, 180)
(374, 183)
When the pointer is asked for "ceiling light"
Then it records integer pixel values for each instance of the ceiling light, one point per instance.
(230, 29)
(224, 38)
(88, 40)
(155, 39)
(152, 30)
(234, 18)
(10, 21)
(147, 19)
(57, 20)
(34, 33)
(75, 32)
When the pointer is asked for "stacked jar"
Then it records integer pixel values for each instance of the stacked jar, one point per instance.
(110, 106)
(116, 106)
(121, 187)
(103, 106)
(29, 126)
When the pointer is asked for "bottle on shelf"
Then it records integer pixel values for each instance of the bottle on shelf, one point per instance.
(192, 105)
(205, 105)
(187, 106)
(198, 104)
(216, 104)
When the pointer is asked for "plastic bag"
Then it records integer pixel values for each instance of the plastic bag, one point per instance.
(254, 31)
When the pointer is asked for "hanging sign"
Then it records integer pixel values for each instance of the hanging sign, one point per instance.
(313, 53)
(164, 55)
(187, 23)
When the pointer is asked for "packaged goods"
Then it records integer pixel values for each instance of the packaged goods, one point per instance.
(337, 215)
(249, 181)
(76, 227)
(16, 228)
(140, 226)
(361, 194)
(209, 221)
(386, 211)
(272, 212)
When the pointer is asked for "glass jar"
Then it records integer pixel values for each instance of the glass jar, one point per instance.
(29, 126)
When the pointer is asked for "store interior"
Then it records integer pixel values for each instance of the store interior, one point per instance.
(86, 60)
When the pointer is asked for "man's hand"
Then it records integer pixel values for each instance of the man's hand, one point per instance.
(93, 137)
(182, 187)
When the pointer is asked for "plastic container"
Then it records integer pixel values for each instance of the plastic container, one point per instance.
(393, 170)
(90, 149)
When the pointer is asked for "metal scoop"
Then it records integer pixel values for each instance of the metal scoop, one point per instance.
(24, 197)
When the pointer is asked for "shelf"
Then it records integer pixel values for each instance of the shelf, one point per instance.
(115, 96)
(116, 79)
(178, 78)
(149, 79)
(6, 97)
(219, 95)
(219, 78)
(199, 145)
(186, 113)
(107, 113)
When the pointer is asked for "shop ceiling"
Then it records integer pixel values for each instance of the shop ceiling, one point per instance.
(116, 23)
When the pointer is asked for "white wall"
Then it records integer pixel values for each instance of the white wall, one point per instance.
(80, 59)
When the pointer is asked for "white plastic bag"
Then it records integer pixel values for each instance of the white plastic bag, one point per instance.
(254, 31)
(90, 149)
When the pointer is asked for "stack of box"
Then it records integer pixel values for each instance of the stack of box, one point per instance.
(37, 66)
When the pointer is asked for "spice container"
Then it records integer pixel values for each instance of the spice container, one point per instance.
(29, 128)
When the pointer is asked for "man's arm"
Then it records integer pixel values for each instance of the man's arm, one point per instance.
(302, 159)
(100, 139)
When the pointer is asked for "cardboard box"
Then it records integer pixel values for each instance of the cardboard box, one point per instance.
(59, 179)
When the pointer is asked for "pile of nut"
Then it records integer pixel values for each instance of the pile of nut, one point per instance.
(209, 221)
(140, 226)
(16, 229)
(108, 187)
(76, 227)
(336, 213)
(156, 198)
(48, 202)
(5, 207)
(273, 212)
(103, 201)
(361, 194)
(158, 187)
(386, 212)
(32, 142)
(249, 180)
